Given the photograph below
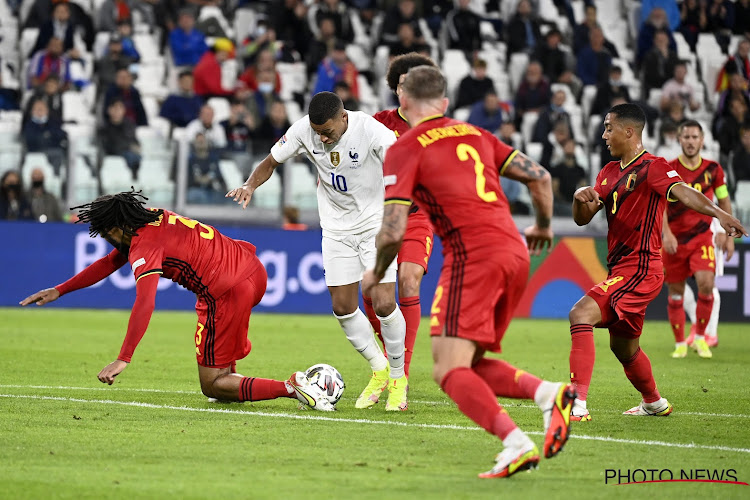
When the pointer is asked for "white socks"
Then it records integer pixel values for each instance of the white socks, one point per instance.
(544, 392)
(359, 333)
(517, 439)
(393, 330)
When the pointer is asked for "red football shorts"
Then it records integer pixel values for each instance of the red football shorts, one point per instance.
(695, 255)
(476, 300)
(418, 241)
(623, 299)
(221, 335)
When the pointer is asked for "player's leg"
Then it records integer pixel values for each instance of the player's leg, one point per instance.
(625, 345)
(676, 315)
(409, 281)
(393, 329)
(373, 318)
(704, 306)
(583, 316)
(712, 330)
(689, 304)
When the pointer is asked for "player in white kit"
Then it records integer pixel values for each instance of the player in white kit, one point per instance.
(348, 149)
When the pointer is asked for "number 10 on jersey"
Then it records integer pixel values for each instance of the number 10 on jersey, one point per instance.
(338, 182)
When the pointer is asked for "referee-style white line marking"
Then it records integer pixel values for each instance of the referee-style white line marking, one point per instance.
(415, 401)
(362, 421)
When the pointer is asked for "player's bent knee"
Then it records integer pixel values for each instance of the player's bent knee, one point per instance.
(408, 284)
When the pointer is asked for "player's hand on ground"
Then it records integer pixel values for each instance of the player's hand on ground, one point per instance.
(109, 372)
(669, 242)
(537, 239)
(586, 194)
(242, 195)
(369, 280)
(41, 297)
(732, 226)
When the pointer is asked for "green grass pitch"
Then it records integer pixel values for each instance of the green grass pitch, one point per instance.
(153, 435)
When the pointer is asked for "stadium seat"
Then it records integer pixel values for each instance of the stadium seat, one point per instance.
(151, 106)
(147, 47)
(527, 125)
(52, 183)
(85, 187)
(455, 67)
(517, 69)
(244, 23)
(462, 113)
(153, 178)
(587, 100)
(221, 106)
(153, 143)
(212, 11)
(742, 200)
(115, 175)
(293, 79)
(27, 41)
(75, 109)
(301, 186)
(269, 195)
(231, 173)
(293, 111)
(359, 57)
(534, 150)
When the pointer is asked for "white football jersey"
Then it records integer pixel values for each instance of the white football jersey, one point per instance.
(350, 172)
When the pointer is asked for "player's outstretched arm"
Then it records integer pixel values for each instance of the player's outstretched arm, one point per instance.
(243, 194)
(537, 179)
(586, 204)
(388, 243)
(41, 297)
(695, 200)
(668, 240)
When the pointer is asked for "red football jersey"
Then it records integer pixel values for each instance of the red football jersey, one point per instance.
(394, 120)
(708, 178)
(191, 254)
(634, 197)
(451, 170)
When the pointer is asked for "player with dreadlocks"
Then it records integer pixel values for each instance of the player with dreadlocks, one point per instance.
(225, 275)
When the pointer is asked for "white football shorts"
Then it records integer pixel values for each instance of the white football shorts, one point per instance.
(346, 258)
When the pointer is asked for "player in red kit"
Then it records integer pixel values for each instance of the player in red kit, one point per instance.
(633, 192)
(451, 170)
(688, 240)
(415, 251)
(226, 276)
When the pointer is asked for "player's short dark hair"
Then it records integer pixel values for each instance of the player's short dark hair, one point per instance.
(400, 65)
(689, 123)
(425, 82)
(124, 210)
(629, 112)
(185, 73)
(323, 107)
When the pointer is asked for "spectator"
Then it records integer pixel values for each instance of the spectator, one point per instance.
(675, 114)
(403, 12)
(239, 131)
(49, 61)
(288, 19)
(729, 136)
(693, 20)
(186, 43)
(336, 11)
(272, 128)
(550, 117)
(609, 90)
(9, 98)
(13, 203)
(205, 183)
(581, 34)
(509, 135)
(742, 18)
(262, 99)
(553, 152)
(567, 176)
(125, 31)
(669, 147)
(738, 64)
(407, 41)
(291, 220)
(343, 90)
(51, 95)
(45, 207)
(183, 107)
(721, 21)
(475, 85)
(207, 73)
(523, 30)
(263, 39)
(59, 26)
(533, 93)
(550, 56)
(42, 135)
(462, 27)
(264, 62)
(123, 90)
(594, 61)
(657, 20)
(678, 89)
(487, 113)
(658, 63)
(112, 12)
(45, 15)
(337, 68)
(204, 124)
(112, 60)
(738, 89)
(741, 158)
(435, 12)
(322, 45)
(668, 7)
(117, 136)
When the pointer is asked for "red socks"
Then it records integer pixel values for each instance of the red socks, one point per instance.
(703, 309)
(479, 403)
(258, 389)
(582, 356)
(638, 371)
(676, 315)
(374, 321)
(412, 312)
(505, 380)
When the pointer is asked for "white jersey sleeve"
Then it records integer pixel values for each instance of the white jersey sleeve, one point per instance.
(290, 144)
(382, 139)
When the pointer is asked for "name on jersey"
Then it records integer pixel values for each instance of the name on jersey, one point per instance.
(435, 134)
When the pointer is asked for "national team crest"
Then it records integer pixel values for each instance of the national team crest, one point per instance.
(630, 183)
(335, 158)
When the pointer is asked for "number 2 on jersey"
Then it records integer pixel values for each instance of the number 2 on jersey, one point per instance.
(466, 152)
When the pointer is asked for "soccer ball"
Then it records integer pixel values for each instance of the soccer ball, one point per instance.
(327, 379)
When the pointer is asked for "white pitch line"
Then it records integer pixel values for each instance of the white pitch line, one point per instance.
(415, 401)
(362, 421)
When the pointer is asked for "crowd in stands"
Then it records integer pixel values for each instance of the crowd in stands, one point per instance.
(225, 79)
